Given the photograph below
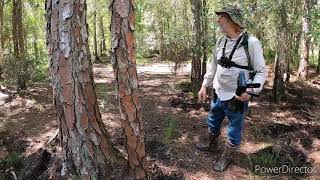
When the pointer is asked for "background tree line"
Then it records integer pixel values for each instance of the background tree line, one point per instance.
(178, 31)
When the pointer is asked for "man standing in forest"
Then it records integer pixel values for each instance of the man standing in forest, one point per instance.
(234, 52)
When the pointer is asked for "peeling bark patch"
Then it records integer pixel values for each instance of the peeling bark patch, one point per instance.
(134, 78)
(122, 7)
(66, 12)
(130, 44)
(129, 108)
(64, 45)
(84, 120)
(94, 139)
(132, 21)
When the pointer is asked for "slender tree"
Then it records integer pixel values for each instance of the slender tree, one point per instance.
(103, 47)
(35, 45)
(279, 86)
(196, 8)
(95, 43)
(87, 150)
(18, 44)
(306, 40)
(124, 66)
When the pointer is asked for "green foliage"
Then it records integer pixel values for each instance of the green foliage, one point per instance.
(164, 28)
(13, 160)
(29, 68)
(142, 60)
(257, 133)
(265, 159)
(15, 69)
(169, 130)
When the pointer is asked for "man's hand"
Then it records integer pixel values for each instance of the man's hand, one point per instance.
(244, 97)
(202, 94)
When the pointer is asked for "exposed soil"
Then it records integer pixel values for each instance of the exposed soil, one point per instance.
(286, 132)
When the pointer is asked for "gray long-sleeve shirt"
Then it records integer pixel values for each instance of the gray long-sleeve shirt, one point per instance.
(224, 80)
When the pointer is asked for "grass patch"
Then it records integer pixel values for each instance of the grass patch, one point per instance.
(257, 133)
(169, 130)
(13, 160)
(265, 159)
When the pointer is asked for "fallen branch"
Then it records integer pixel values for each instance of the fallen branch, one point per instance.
(14, 175)
(56, 134)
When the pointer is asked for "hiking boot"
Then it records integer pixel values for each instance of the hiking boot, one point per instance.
(226, 158)
(209, 143)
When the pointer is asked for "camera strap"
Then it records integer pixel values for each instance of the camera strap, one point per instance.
(229, 63)
(234, 47)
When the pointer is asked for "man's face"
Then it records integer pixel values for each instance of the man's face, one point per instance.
(224, 22)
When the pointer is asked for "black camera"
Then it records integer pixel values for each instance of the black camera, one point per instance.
(225, 62)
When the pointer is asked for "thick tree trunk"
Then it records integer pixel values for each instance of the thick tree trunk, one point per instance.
(18, 43)
(279, 86)
(95, 43)
(124, 66)
(103, 39)
(87, 149)
(196, 8)
(205, 38)
(306, 41)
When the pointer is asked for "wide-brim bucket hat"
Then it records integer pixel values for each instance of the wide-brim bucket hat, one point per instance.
(235, 13)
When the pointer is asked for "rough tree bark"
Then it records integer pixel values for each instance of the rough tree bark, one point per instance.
(87, 150)
(196, 8)
(124, 66)
(279, 86)
(18, 44)
(306, 41)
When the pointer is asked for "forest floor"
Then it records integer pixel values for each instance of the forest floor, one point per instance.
(275, 133)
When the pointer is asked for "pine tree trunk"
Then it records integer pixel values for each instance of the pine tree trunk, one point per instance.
(306, 41)
(124, 66)
(196, 8)
(87, 150)
(103, 39)
(279, 86)
(205, 38)
(18, 44)
(95, 43)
